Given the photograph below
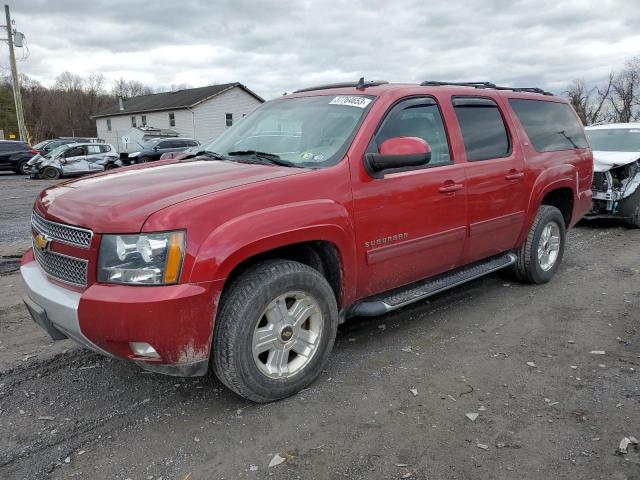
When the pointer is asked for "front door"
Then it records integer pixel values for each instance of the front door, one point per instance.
(410, 224)
(496, 197)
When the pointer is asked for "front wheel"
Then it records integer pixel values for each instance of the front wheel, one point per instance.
(144, 160)
(50, 173)
(630, 209)
(275, 328)
(541, 254)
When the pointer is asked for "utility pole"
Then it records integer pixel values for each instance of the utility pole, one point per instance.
(17, 97)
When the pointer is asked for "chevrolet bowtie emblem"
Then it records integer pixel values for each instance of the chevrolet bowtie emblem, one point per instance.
(42, 242)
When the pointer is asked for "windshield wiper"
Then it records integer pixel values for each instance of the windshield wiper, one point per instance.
(270, 158)
(211, 155)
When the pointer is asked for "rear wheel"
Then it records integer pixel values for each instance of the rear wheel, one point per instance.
(50, 173)
(144, 160)
(630, 209)
(275, 328)
(541, 254)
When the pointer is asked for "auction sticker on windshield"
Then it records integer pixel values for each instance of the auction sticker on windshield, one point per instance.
(351, 101)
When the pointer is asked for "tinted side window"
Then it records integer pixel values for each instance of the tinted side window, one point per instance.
(165, 144)
(550, 126)
(418, 118)
(483, 130)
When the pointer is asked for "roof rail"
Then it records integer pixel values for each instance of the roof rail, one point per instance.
(360, 85)
(490, 85)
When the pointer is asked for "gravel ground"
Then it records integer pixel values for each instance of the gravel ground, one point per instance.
(392, 402)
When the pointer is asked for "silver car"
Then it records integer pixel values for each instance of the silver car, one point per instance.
(73, 160)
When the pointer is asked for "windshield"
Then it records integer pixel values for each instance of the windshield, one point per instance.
(149, 144)
(615, 139)
(57, 151)
(305, 132)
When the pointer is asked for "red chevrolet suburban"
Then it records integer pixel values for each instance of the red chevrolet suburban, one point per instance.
(335, 201)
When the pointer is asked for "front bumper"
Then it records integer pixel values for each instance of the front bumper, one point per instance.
(176, 320)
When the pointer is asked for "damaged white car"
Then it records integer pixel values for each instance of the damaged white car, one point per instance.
(616, 177)
(74, 159)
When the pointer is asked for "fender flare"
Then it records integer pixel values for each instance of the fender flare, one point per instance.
(260, 231)
(553, 178)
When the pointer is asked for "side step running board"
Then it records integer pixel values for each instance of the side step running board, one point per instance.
(400, 297)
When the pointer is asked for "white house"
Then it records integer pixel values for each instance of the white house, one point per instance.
(202, 113)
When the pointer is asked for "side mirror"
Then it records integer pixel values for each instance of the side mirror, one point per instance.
(155, 149)
(397, 153)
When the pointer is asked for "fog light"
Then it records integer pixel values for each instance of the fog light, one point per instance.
(143, 349)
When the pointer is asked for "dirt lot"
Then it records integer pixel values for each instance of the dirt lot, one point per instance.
(519, 356)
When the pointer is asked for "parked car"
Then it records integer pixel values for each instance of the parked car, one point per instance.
(46, 146)
(616, 178)
(154, 148)
(246, 261)
(75, 159)
(14, 155)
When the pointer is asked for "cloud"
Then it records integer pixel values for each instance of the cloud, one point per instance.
(279, 46)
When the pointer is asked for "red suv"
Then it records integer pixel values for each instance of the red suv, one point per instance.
(335, 201)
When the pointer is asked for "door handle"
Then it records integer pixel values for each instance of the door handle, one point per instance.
(450, 187)
(514, 175)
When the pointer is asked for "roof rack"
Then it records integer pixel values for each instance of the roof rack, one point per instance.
(360, 85)
(490, 85)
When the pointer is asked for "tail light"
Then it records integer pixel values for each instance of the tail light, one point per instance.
(35, 152)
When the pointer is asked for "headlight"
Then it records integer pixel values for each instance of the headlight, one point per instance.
(133, 154)
(145, 259)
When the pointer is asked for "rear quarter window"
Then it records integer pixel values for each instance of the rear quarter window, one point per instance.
(550, 126)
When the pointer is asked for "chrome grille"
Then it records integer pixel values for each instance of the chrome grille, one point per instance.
(66, 269)
(75, 236)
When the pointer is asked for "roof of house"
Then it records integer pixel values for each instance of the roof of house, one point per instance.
(187, 98)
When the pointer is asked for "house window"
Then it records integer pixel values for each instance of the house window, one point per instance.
(172, 120)
(108, 124)
(133, 121)
(229, 119)
(144, 120)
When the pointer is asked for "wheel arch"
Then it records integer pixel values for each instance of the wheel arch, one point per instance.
(327, 246)
(556, 186)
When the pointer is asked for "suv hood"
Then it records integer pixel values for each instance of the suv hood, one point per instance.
(120, 201)
(605, 161)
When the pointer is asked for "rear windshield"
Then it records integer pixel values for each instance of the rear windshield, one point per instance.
(615, 139)
(551, 126)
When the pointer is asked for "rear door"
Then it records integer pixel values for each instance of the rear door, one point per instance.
(410, 224)
(496, 200)
(95, 158)
(5, 155)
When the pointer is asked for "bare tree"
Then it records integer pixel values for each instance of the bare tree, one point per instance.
(625, 92)
(589, 103)
(130, 88)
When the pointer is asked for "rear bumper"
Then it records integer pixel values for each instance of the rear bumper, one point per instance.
(177, 320)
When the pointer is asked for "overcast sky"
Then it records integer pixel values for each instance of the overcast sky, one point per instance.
(277, 46)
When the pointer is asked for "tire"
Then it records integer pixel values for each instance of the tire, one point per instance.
(110, 166)
(50, 173)
(144, 160)
(22, 168)
(531, 267)
(630, 209)
(243, 310)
